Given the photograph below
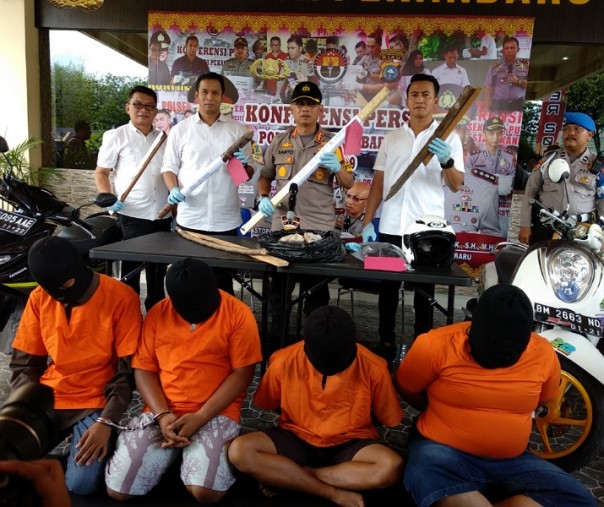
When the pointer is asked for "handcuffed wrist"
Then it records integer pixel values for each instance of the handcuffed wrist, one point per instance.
(157, 417)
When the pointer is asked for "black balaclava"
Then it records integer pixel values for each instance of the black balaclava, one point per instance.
(52, 262)
(192, 288)
(330, 340)
(501, 327)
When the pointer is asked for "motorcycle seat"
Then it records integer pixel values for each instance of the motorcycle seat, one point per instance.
(104, 229)
(506, 261)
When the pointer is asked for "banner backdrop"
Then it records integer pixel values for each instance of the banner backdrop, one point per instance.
(351, 57)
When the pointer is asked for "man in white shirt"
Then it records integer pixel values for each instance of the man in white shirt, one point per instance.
(213, 208)
(449, 72)
(423, 194)
(122, 151)
(488, 48)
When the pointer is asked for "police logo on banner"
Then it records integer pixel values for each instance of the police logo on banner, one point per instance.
(330, 66)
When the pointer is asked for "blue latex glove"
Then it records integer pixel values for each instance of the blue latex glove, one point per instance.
(176, 196)
(440, 149)
(265, 206)
(330, 160)
(352, 247)
(117, 207)
(368, 233)
(239, 155)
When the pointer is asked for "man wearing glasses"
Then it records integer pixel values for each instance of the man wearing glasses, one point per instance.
(287, 154)
(355, 201)
(423, 194)
(582, 184)
(122, 151)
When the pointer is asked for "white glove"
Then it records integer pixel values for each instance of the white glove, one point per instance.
(506, 182)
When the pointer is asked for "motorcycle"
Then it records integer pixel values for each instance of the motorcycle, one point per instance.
(564, 279)
(29, 213)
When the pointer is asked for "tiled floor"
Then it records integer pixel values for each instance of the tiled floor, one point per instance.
(245, 492)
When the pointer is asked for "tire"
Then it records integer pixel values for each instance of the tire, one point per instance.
(569, 431)
(7, 334)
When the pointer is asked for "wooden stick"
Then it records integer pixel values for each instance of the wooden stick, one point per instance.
(150, 154)
(309, 168)
(260, 254)
(453, 117)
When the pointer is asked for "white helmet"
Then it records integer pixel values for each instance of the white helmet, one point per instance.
(558, 170)
(429, 241)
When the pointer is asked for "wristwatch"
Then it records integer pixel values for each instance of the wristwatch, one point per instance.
(448, 164)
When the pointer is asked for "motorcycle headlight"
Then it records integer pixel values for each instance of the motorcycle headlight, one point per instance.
(571, 274)
(5, 258)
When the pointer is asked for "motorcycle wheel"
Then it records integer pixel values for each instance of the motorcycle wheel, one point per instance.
(569, 431)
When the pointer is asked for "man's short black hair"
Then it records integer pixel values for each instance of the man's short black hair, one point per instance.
(144, 90)
(512, 39)
(424, 77)
(332, 40)
(296, 39)
(360, 44)
(191, 37)
(210, 76)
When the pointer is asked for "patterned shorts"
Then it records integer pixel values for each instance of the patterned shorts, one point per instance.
(139, 460)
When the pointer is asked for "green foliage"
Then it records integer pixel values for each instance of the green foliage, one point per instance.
(531, 114)
(78, 95)
(15, 158)
(433, 47)
(586, 96)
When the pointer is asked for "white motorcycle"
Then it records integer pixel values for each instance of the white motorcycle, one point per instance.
(564, 279)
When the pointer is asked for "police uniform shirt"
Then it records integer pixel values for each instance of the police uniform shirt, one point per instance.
(497, 79)
(283, 159)
(373, 65)
(451, 75)
(233, 67)
(476, 207)
(300, 66)
(581, 187)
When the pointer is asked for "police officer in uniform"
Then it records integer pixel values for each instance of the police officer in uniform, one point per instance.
(287, 154)
(506, 81)
(240, 64)
(489, 174)
(583, 182)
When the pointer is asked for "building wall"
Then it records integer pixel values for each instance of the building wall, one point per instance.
(20, 83)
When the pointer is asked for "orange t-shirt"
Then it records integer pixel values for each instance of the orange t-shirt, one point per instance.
(85, 349)
(192, 361)
(340, 412)
(485, 412)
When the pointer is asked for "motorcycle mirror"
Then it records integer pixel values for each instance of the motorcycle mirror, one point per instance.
(3, 145)
(105, 199)
(558, 170)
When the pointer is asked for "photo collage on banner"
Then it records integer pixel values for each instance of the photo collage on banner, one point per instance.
(351, 58)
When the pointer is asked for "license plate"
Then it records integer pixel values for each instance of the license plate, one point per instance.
(15, 224)
(570, 319)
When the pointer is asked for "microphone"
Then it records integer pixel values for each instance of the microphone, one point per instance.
(293, 194)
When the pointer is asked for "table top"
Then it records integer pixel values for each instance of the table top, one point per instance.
(168, 247)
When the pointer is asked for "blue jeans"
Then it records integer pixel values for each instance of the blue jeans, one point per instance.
(85, 479)
(435, 471)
